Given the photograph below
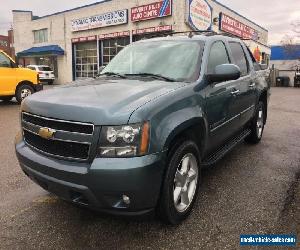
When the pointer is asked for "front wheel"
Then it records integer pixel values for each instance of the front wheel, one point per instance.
(257, 125)
(23, 91)
(181, 183)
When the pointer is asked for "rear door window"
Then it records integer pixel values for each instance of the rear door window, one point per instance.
(239, 57)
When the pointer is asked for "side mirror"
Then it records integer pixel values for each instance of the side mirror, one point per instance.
(224, 72)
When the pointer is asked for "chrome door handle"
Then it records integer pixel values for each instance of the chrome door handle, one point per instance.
(251, 85)
(235, 92)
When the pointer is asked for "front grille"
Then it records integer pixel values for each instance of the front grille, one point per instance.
(59, 148)
(75, 127)
(72, 140)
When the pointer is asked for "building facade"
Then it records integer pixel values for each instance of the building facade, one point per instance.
(6, 44)
(77, 42)
(285, 60)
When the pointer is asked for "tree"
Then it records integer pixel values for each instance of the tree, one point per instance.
(291, 45)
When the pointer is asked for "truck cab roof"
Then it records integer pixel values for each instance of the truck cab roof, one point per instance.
(195, 37)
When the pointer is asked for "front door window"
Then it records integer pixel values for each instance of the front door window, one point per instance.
(4, 61)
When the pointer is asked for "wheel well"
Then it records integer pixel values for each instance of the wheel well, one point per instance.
(263, 98)
(195, 132)
(23, 83)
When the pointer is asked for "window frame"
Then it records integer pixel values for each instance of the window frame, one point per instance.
(40, 36)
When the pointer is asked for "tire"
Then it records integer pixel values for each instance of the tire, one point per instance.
(50, 82)
(6, 98)
(257, 125)
(23, 91)
(182, 179)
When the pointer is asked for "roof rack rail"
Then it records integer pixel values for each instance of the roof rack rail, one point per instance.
(191, 32)
(206, 33)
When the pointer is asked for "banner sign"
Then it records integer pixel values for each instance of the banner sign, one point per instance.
(237, 28)
(84, 39)
(103, 20)
(114, 35)
(199, 15)
(152, 30)
(151, 11)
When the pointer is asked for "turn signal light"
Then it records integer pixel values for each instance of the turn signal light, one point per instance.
(145, 139)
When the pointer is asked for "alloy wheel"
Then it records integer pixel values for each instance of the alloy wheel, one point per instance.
(260, 122)
(25, 92)
(185, 182)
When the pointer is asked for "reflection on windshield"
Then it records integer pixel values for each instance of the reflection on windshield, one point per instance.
(173, 60)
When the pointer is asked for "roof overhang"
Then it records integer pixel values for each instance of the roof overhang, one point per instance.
(50, 50)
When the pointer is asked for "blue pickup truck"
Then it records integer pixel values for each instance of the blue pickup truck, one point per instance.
(133, 140)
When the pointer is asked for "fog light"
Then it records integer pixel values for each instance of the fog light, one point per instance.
(126, 199)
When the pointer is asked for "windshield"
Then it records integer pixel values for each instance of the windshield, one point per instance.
(176, 60)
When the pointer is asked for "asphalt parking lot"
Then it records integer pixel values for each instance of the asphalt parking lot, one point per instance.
(253, 190)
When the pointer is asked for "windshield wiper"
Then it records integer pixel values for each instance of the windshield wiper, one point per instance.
(112, 74)
(156, 76)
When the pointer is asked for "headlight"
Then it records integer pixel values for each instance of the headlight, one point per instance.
(124, 141)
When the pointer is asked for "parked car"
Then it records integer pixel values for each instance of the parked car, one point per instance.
(16, 82)
(134, 140)
(45, 72)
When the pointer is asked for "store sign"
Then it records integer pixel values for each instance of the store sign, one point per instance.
(114, 35)
(237, 28)
(151, 11)
(84, 39)
(199, 15)
(152, 30)
(103, 20)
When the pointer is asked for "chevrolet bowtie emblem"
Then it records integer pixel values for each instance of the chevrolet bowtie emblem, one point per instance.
(46, 133)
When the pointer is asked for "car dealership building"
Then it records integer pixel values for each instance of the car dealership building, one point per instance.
(77, 42)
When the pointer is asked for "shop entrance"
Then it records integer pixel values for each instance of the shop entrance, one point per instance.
(50, 61)
(86, 60)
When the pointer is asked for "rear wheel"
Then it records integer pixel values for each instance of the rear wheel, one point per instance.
(23, 91)
(257, 125)
(6, 98)
(181, 183)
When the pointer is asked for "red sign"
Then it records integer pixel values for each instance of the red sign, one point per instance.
(84, 39)
(233, 26)
(152, 30)
(151, 11)
(114, 35)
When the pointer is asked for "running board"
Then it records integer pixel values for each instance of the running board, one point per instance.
(220, 153)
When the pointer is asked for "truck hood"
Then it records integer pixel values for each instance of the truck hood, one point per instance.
(100, 101)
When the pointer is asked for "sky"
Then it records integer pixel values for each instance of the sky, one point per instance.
(274, 15)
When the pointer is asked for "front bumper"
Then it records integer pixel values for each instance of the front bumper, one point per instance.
(42, 80)
(101, 184)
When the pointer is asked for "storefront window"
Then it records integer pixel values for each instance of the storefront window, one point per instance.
(86, 60)
(112, 47)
